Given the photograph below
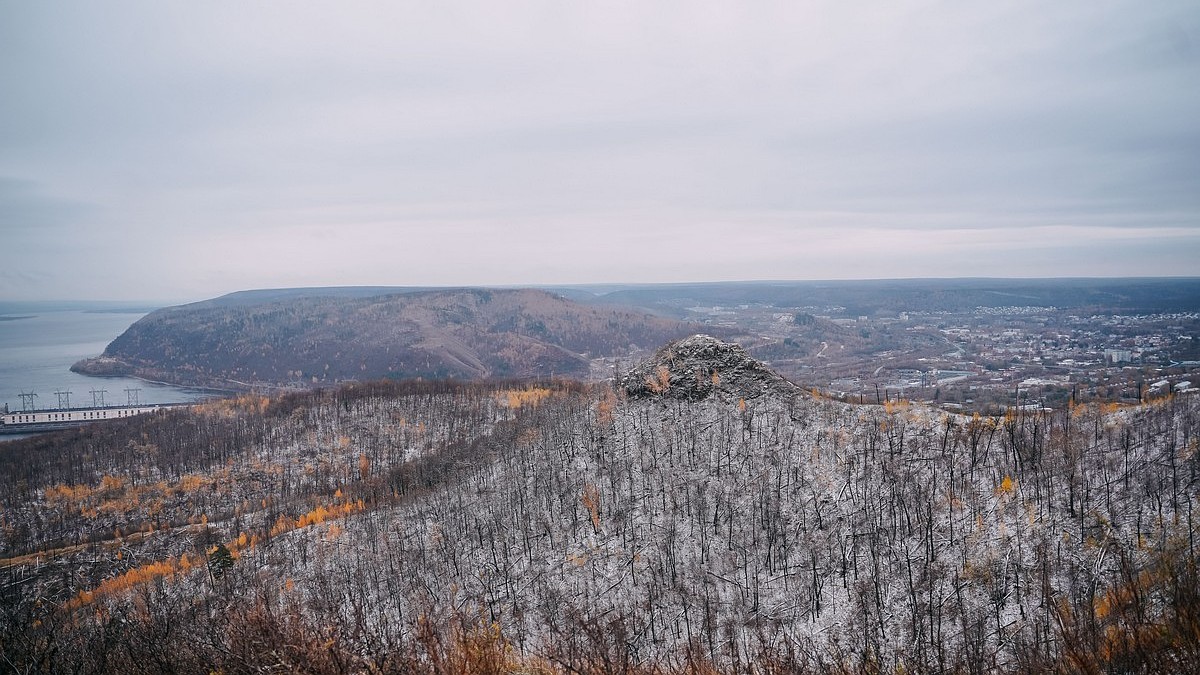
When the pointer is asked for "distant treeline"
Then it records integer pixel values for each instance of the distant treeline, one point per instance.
(868, 297)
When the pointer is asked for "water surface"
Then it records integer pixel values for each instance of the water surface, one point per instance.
(39, 342)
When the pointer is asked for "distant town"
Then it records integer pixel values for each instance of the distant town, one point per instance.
(987, 360)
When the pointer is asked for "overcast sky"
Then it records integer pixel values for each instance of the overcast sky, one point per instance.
(180, 150)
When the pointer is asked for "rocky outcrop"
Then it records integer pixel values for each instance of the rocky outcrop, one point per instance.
(701, 366)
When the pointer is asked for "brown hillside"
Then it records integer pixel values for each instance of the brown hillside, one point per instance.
(316, 339)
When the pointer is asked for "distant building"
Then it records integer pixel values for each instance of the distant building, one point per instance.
(1117, 355)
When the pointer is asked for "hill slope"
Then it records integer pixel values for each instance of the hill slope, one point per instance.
(443, 528)
(297, 337)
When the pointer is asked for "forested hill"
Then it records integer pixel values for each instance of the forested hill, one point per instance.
(703, 517)
(321, 336)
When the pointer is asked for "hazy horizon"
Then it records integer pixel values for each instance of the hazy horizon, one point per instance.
(140, 305)
(186, 151)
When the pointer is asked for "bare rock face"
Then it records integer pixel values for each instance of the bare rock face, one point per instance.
(700, 366)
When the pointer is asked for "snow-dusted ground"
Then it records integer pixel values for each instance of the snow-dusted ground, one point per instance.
(732, 527)
(858, 534)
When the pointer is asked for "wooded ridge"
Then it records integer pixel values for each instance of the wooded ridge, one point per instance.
(321, 338)
(557, 527)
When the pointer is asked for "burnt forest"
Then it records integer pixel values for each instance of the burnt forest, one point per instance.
(695, 513)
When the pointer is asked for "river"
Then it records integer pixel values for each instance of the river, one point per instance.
(40, 341)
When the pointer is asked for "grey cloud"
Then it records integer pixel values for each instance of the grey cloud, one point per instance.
(528, 125)
(26, 207)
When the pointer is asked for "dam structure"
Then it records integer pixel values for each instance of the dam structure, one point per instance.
(30, 420)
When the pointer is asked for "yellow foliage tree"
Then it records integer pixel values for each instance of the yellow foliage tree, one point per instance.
(606, 406)
(1007, 485)
(660, 382)
(591, 501)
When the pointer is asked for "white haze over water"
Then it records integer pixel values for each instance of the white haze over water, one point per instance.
(183, 150)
